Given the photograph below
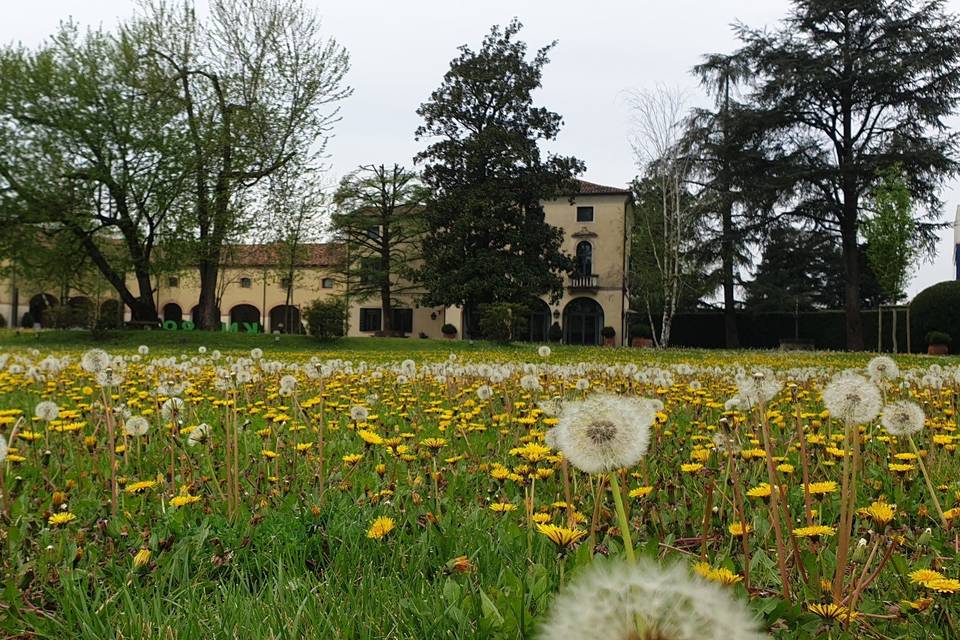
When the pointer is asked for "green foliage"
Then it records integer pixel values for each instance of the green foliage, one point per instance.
(802, 269)
(555, 332)
(503, 322)
(608, 332)
(327, 318)
(891, 232)
(936, 308)
(488, 239)
(938, 337)
(641, 330)
(448, 330)
(27, 320)
(827, 86)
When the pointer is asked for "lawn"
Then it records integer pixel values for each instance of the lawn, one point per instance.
(235, 486)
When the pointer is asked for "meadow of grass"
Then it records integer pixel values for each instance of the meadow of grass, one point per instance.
(376, 488)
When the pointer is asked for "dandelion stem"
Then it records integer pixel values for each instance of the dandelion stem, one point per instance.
(926, 479)
(622, 517)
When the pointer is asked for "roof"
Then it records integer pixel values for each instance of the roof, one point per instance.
(320, 254)
(592, 188)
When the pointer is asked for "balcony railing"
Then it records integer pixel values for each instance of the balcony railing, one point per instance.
(583, 281)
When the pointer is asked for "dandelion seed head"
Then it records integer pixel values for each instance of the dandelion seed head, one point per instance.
(902, 418)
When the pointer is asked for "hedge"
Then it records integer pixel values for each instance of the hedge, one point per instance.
(822, 329)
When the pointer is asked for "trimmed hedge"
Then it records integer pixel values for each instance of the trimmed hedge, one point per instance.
(936, 308)
(824, 329)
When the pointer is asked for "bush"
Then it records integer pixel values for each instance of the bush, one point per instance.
(27, 320)
(3, 322)
(938, 337)
(608, 332)
(555, 332)
(502, 321)
(936, 308)
(327, 318)
(448, 330)
(641, 330)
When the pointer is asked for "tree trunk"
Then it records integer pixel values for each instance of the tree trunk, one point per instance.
(209, 315)
(732, 339)
(896, 348)
(387, 306)
(851, 268)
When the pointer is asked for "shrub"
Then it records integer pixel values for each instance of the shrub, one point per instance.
(502, 321)
(327, 318)
(936, 308)
(555, 332)
(641, 330)
(938, 337)
(448, 330)
(3, 322)
(27, 320)
(608, 332)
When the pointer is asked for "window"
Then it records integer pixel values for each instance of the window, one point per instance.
(173, 282)
(370, 270)
(584, 258)
(370, 319)
(374, 232)
(327, 283)
(402, 320)
(246, 283)
(285, 283)
(584, 214)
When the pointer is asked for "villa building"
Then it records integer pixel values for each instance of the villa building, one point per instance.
(252, 289)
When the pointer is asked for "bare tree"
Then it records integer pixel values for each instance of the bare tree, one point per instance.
(667, 225)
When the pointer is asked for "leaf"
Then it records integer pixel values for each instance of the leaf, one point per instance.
(490, 611)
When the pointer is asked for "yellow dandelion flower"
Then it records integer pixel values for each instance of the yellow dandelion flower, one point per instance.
(142, 558)
(380, 528)
(814, 531)
(640, 492)
(561, 536)
(140, 487)
(502, 507)
(880, 512)
(60, 519)
(736, 529)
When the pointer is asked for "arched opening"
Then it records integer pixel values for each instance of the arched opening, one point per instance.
(172, 312)
(195, 315)
(38, 305)
(285, 318)
(81, 312)
(538, 323)
(111, 313)
(582, 321)
(245, 313)
(584, 259)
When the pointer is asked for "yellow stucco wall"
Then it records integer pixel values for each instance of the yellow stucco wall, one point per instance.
(606, 234)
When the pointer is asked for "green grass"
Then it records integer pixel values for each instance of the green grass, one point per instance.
(294, 564)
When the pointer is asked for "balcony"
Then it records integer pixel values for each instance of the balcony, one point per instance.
(582, 282)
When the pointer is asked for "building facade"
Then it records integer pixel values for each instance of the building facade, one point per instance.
(252, 289)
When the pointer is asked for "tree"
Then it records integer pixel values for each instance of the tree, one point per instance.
(257, 84)
(801, 269)
(727, 155)
(293, 204)
(668, 222)
(84, 151)
(487, 238)
(379, 218)
(850, 87)
(891, 236)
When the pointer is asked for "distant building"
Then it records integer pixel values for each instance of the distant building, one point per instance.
(252, 288)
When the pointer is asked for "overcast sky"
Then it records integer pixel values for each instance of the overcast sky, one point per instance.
(400, 50)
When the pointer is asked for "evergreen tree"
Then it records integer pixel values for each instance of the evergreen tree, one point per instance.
(850, 87)
(486, 236)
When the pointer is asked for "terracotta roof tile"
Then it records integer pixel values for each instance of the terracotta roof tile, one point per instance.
(320, 254)
(592, 188)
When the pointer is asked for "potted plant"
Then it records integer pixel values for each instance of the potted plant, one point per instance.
(555, 332)
(608, 333)
(938, 343)
(449, 331)
(641, 335)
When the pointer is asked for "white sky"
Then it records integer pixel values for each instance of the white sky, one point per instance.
(400, 50)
